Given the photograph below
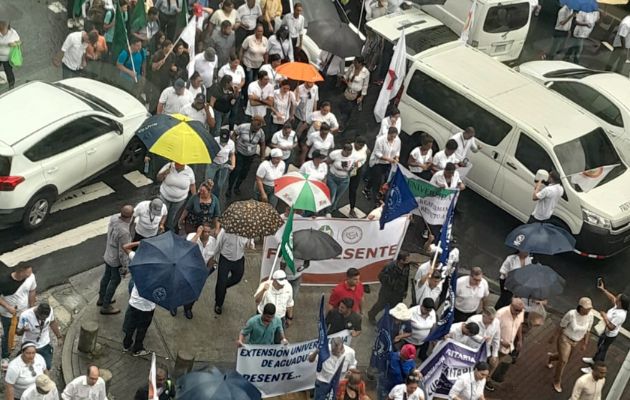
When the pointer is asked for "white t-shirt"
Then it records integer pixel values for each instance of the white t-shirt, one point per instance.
(318, 172)
(440, 159)
(238, 76)
(226, 150)
(511, 263)
(587, 18)
(295, 25)
(360, 157)
(576, 325)
(147, 224)
(548, 198)
(468, 298)
(262, 93)
(466, 387)
(418, 157)
(284, 143)
(73, 50)
(283, 104)
(269, 172)
(341, 165)
(386, 123)
(438, 179)
(249, 16)
(399, 392)
(329, 118)
(172, 102)
(208, 250)
(307, 99)
(20, 376)
(197, 115)
(138, 302)
(176, 185)
(34, 331)
(5, 40)
(463, 145)
(274, 77)
(563, 14)
(617, 317)
(622, 32)
(19, 299)
(315, 142)
(206, 68)
(420, 326)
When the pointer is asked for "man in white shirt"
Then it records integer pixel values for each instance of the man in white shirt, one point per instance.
(472, 292)
(589, 386)
(338, 352)
(278, 292)
(464, 333)
(621, 45)
(561, 31)
(429, 285)
(443, 157)
(295, 22)
(248, 14)
(465, 142)
(137, 320)
(35, 325)
(73, 54)
(174, 98)
(150, 217)
(546, 198)
(448, 178)
(386, 153)
(231, 252)
(316, 168)
(489, 332)
(43, 389)
(206, 64)
(90, 386)
(584, 25)
(260, 96)
(200, 111)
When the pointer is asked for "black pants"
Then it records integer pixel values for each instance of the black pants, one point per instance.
(461, 316)
(137, 322)
(8, 70)
(422, 351)
(505, 298)
(603, 344)
(353, 188)
(378, 175)
(230, 273)
(239, 174)
(558, 43)
(169, 24)
(346, 108)
(617, 60)
(385, 297)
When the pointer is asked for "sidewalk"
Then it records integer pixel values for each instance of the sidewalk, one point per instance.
(211, 338)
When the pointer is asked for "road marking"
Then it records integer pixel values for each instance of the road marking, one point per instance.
(63, 240)
(81, 195)
(57, 7)
(345, 210)
(137, 179)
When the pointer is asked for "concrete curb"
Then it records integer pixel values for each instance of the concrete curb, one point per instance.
(72, 336)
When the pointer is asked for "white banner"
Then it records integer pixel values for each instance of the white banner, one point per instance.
(433, 202)
(364, 247)
(277, 369)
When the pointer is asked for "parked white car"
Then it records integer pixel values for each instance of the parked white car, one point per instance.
(605, 95)
(56, 136)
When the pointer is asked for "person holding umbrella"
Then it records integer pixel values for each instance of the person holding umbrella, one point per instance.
(511, 263)
(177, 181)
(248, 137)
(138, 318)
(268, 171)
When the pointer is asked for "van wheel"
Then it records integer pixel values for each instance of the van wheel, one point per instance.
(133, 155)
(37, 210)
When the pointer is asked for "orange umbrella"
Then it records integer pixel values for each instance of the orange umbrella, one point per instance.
(300, 72)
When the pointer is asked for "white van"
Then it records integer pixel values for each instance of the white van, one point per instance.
(522, 127)
(499, 27)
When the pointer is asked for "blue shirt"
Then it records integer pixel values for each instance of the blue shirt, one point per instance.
(257, 333)
(398, 369)
(138, 60)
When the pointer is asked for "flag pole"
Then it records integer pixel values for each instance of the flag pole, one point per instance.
(275, 260)
(179, 37)
(133, 65)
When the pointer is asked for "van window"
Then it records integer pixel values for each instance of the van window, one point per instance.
(421, 40)
(504, 18)
(532, 155)
(457, 109)
(591, 100)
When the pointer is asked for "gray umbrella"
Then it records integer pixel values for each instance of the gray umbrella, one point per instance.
(310, 244)
(534, 281)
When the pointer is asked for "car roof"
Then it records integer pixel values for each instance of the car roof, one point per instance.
(616, 85)
(32, 106)
(513, 94)
(412, 20)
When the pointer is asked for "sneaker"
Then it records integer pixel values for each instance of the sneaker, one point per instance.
(588, 360)
(586, 370)
(141, 353)
(100, 302)
(109, 310)
(490, 387)
(126, 349)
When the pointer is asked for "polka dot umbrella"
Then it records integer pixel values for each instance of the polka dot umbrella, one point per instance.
(251, 219)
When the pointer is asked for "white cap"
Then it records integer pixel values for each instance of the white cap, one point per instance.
(276, 153)
(279, 276)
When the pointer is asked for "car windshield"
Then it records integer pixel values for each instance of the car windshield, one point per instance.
(321, 10)
(421, 40)
(94, 102)
(574, 73)
(590, 152)
(505, 18)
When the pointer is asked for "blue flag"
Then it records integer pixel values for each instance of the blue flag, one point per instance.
(383, 344)
(322, 339)
(399, 200)
(445, 232)
(334, 382)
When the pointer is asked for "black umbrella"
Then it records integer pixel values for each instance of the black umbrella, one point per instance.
(215, 386)
(310, 244)
(540, 238)
(534, 281)
(335, 37)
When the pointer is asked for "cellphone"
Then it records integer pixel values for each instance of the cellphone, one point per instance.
(600, 282)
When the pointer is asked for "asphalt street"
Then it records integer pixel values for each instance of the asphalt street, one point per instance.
(479, 229)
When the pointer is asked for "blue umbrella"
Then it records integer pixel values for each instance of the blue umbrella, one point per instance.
(535, 281)
(169, 270)
(581, 5)
(215, 386)
(540, 238)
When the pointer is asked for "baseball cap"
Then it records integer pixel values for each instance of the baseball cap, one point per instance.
(276, 153)
(156, 206)
(179, 84)
(318, 154)
(209, 54)
(224, 135)
(280, 276)
(200, 98)
(44, 383)
(585, 302)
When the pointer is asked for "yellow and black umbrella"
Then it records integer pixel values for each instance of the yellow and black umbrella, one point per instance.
(178, 138)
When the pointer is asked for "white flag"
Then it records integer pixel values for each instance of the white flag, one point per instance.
(152, 380)
(188, 36)
(588, 180)
(394, 79)
(469, 23)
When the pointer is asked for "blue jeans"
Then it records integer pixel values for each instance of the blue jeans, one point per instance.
(6, 325)
(338, 187)
(219, 119)
(173, 211)
(47, 353)
(219, 174)
(109, 282)
(321, 390)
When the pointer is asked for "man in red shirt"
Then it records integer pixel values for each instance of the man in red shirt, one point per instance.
(351, 287)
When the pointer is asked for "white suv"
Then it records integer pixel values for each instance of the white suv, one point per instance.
(55, 136)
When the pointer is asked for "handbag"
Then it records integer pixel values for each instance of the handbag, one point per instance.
(15, 56)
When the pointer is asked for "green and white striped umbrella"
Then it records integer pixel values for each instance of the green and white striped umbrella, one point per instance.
(302, 192)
